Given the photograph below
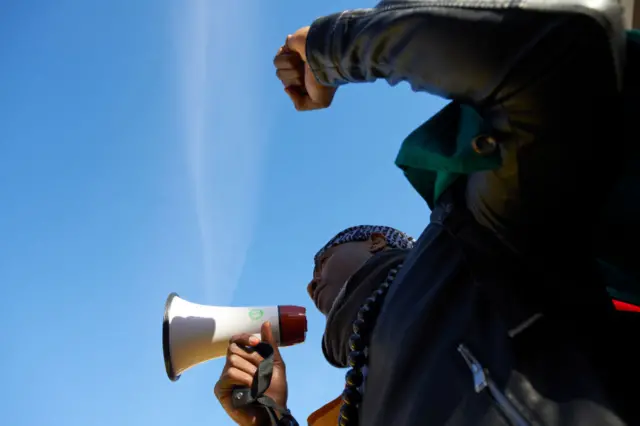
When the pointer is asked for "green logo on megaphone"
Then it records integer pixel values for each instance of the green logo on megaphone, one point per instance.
(256, 314)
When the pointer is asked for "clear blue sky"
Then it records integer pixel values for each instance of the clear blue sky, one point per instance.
(146, 147)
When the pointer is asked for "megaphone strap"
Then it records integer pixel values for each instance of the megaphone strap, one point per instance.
(242, 397)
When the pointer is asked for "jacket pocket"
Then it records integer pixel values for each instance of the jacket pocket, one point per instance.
(482, 382)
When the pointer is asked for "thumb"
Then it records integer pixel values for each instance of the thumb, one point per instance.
(297, 43)
(266, 332)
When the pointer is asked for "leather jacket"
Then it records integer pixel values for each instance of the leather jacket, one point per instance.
(544, 75)
(481, 326)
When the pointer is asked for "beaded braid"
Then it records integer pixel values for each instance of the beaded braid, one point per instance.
(358, 357)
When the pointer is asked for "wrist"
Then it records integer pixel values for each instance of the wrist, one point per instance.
(282, 414)
(319, 51)
(287, 420)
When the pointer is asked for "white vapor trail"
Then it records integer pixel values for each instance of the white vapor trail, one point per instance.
(223, 133)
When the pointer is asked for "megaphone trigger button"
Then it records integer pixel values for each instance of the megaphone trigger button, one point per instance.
(249, 349)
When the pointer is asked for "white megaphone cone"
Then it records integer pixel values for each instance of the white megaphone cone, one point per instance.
(193, 334)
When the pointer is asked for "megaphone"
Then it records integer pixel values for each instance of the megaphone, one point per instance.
(193, 334)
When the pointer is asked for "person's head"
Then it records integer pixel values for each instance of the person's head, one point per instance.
(344, 254)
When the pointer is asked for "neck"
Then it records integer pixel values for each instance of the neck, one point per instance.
(345, 308)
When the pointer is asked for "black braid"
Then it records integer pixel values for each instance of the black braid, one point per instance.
(358, 357)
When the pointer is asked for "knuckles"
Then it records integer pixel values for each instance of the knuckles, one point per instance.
(235, 352)
(234, 360)
(287, 60)
(233, 348)
(239, 339)
(234, 339)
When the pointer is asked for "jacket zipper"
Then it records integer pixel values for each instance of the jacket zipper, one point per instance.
(482, 380)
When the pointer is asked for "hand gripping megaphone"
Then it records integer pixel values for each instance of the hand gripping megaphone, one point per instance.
(193, 334)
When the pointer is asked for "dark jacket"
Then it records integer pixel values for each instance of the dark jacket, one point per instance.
(493, 279)
(545, 83)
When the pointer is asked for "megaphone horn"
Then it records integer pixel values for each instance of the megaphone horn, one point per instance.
(193, 334)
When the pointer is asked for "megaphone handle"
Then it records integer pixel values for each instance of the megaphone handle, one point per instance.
(242, 397)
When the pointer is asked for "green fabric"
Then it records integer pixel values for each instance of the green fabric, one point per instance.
(439, 151)
(434, 155)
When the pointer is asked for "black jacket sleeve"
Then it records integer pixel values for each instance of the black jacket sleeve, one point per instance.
(545, 81)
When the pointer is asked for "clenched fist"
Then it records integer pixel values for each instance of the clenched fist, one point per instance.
(296, 76)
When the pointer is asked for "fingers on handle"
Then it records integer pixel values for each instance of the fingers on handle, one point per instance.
(244, 352)
(239, 363)
(230, 378)
(243, 340)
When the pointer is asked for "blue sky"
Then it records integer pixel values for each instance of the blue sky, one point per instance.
(146, 147)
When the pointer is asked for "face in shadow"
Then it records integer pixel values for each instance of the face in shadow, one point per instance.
(337, 265)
